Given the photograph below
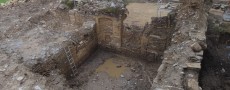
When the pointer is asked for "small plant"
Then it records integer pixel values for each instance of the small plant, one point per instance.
(126, 2)
(226, 27)
(69, 3)
(3, 1)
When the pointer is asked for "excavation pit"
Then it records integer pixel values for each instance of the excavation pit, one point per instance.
(126, 56)
(107, 52)
(98, 56)
(106, 70)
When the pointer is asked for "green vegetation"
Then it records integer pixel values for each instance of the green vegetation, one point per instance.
(221, 28)
(3, 1)
(113, 10)
(225, 27)
(218, 26)
(126, 2)
(69, 3)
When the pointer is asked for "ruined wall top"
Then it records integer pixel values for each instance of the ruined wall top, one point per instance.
(105, 7)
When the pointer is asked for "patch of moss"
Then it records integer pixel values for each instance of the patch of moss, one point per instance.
(222, 28)
(111, 10)
(126, 2)
(226, 27)
(69, 3)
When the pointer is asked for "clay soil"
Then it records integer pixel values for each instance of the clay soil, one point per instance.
(109, 71)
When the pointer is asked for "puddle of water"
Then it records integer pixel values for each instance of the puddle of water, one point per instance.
(111, 68)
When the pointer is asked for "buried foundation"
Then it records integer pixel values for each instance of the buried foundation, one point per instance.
(111, 54)
(103, 51)
(106, 70)
(119, 65)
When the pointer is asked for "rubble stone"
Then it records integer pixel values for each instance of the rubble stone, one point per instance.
(196, 47)
(193, 65)
(185, 46)
(193, 85)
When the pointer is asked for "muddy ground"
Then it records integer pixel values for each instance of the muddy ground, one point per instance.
(109, 71)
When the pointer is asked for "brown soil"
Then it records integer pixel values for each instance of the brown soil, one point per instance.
(141, 13)
(109, 71)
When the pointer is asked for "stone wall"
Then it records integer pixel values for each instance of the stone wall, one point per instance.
(109, 31)
(181, 63)
(147, 42)
(81, 45)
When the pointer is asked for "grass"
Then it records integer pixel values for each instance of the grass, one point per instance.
(3, 1)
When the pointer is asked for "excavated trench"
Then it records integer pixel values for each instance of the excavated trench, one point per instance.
(109, 67)
(104, 52)
(215, 65)
(107, 70)
(100, 52)
(101, 62)
(215, 73)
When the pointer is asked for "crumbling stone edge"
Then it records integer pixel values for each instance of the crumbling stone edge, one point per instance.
(182, 60)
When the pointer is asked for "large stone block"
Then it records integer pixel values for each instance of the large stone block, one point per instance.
(192, 84)
(196, 47)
